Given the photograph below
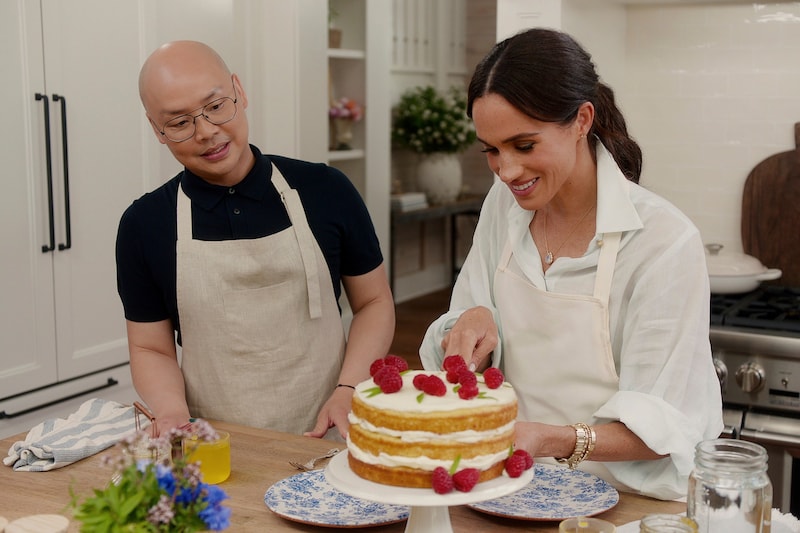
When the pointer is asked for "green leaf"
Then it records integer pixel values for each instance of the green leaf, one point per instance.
(373, 391)
(454, 467)
(420, 397)
(130, 504)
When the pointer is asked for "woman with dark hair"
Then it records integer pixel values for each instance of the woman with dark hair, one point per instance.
(590, 292)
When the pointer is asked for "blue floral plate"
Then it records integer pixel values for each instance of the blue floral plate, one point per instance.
(308, 498)
(555, 493)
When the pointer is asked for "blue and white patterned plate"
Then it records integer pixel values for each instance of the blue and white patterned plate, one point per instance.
(309, 498)
(555, 493)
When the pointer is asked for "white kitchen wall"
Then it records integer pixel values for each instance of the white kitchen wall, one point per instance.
(709, 91)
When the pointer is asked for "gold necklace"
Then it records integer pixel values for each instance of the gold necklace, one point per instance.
(549, 256)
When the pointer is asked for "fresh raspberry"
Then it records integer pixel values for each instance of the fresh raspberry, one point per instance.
(527, 456)
(442, 482)
(376, 365)
(465, 479)
(515, 465)
(453, 363)
(452, 376)
(493, 377)
(467, 378)
(396, 361)
(383, 372)
(467, 393)
(391, 381)
(434, 386)
(419, 381)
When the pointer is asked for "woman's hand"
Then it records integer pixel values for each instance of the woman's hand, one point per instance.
(474, 336)
(614, 442)
(544, 440)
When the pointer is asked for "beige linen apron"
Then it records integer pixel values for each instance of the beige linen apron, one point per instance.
(557, 347)
(263, 340)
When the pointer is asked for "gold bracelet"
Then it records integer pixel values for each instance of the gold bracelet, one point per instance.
(585, 438)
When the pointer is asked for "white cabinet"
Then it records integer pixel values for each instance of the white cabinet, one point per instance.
(359, 69)
(71, 112)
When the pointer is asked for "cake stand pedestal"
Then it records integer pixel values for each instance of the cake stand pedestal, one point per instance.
(429, 512)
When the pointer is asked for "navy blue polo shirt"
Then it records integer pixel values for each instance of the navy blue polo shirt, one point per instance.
(145, 249)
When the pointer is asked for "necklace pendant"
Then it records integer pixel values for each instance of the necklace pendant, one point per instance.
(548, 257)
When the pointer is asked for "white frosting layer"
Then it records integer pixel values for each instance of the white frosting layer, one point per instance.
(405, 400)
(481, 462)
(469, 436)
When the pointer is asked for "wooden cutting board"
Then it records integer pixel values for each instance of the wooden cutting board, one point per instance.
(771, 213)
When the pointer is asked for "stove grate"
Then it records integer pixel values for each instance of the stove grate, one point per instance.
(773, 308)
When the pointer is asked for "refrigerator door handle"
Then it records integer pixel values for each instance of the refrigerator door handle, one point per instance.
(67, 218)
(45, 247)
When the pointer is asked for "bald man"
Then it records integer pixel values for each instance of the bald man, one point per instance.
(242, 255)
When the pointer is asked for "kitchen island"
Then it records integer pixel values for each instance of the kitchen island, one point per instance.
(259, 458)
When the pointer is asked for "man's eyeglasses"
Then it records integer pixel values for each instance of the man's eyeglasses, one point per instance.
(218, 112)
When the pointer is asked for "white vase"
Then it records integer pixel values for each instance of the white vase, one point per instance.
(439, 177)
(343, 133)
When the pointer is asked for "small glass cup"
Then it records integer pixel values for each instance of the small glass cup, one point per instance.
(150, 451)
(586, 525)
(667, 523)
(214, 456)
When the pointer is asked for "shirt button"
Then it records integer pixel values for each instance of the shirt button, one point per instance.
(231, 191)
(236, 211)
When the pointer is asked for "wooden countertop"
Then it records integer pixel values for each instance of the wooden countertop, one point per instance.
(259, 459)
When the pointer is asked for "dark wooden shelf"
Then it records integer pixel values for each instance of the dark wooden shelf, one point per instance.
(464, 205)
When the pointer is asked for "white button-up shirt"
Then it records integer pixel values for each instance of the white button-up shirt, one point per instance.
(659, 307)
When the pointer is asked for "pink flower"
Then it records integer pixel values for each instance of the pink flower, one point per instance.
(346, 108)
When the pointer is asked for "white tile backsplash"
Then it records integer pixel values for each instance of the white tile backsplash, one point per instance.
(709, 92)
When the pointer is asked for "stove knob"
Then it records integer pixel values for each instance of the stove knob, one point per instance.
(722, 372)
(750, 377)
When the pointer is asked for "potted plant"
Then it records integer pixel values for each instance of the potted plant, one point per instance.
(435, 126)
(334, 33)
(344, 112)
(154, 494)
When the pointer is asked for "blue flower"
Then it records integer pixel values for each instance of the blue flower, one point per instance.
(216, 517)
(166, 479)
(214, 495)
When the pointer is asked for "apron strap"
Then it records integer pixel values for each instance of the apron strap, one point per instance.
(605, 265)
(305, 239)
(184, 214)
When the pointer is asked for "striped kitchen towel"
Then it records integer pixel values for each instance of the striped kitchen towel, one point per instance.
(95, 426)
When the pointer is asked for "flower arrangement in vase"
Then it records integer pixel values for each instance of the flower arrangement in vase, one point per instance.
(154, 493)
(343, 113)
(434, 125)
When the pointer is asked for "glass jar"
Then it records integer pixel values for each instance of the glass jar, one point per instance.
(729, 489)
(667, 523)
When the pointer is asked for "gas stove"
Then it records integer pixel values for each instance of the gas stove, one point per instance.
(755, 338)
(755, 342)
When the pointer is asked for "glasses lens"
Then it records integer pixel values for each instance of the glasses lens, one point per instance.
(220, 111)
(179, 128)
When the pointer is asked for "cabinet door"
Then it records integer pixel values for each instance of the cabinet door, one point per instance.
(92, 59)
(27, 324)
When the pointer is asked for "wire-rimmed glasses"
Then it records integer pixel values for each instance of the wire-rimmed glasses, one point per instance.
(217, 112)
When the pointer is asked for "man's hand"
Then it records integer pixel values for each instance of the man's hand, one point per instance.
(334, 413)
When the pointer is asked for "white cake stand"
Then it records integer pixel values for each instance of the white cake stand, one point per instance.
(429, 512)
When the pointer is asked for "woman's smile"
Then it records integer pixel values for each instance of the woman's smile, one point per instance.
(522, 188)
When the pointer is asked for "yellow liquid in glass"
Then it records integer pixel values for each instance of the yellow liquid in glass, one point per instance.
(214, 457)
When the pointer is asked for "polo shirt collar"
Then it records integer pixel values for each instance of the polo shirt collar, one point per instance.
(207, 195)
